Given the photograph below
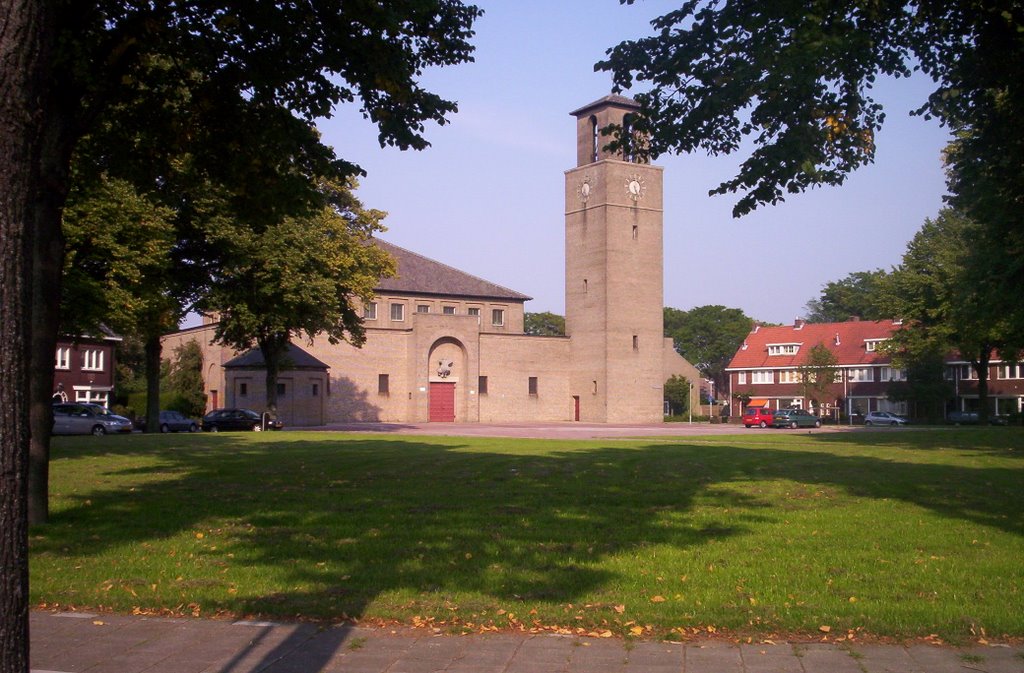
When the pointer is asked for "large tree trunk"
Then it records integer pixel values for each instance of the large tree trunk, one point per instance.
(25, 41)
(153, 351)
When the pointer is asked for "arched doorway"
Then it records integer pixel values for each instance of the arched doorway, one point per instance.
(446, 367)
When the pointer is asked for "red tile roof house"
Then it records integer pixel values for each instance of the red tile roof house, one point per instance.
(766, 368)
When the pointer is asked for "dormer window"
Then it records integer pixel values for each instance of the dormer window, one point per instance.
(871, 345)
(783, 349)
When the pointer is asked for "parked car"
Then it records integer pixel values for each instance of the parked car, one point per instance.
(971, 418)
(759, 416)
(81, 418)
(237, 419)
(884, 418)
(175, 421)
(795, 418)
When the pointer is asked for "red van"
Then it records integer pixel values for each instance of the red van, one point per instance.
(760, 416)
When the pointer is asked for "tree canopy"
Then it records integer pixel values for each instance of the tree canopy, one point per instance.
(708, 337)
(857, 295)
(544, 324)
(795, 80)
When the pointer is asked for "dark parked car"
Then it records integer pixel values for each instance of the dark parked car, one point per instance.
(80, 418)
(884, 418)
(971, 418)
(795, 418)
(175, 421)
(759, 416)
(238, 419)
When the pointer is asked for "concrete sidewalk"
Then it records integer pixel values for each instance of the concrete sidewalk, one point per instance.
(73, 642)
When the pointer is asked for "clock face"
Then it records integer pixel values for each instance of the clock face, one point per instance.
(635, 187)
(584, 190)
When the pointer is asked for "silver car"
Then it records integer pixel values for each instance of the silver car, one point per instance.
(884, 418)
(79, 418)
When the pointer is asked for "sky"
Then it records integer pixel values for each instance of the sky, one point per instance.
(487, 196)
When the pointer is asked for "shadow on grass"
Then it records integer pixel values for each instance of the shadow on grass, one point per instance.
(421, 516)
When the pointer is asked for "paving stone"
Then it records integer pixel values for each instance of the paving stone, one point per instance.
(888, 659)
(716, 657)
(766, 658)
(826, 658)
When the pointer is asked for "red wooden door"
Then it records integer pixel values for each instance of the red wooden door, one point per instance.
(442, 402)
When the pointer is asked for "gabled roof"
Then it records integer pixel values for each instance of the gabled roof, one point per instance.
(423, 276)
(294, 358)
(851, 349)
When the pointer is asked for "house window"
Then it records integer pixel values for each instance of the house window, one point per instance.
(871, 345)
(383, 384)
(1013, 371)
(595, 387)
(861, 375)
(892, 374)
(316, 390)
(636, 342)
(398, 312)
(498, 317)
(370, 311)
(741, 378)
(280, 389)
(243, 389)
(92, 396)
(474, 311)
(448, 310)
(636, 232)
(595, 140)
(63, 358)
(533, 386)
(482, 385)
(423, 308)
(783, 349)
(92, 360)
(762, 377)
(967, 373)
(789, 376)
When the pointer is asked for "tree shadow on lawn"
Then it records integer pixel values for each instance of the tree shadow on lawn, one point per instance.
(340, 521)
(1006, 442)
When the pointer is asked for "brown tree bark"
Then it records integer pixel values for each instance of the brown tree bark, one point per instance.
(25, 43)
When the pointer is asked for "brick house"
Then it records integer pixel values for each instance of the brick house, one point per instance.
(443, 345)
(84, 368)
(765, 370)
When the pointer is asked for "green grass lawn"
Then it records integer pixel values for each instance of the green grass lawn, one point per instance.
(900, 534)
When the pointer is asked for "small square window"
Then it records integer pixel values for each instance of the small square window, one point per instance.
(423, 308)
(448, 310)
(473, 311)
(280, 389)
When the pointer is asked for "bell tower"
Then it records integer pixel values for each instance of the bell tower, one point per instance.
(614, 293)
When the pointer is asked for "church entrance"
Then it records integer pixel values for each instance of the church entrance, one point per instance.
(442, 402)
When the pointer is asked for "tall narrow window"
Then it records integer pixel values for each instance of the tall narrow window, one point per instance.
(533, 386)
(316, 390)
(63, 358)
(636, 342)
(243, 389)
(383, 384)
(595, 141)
(627, 138)
(92, 360)
(636, 232)
(482, 385)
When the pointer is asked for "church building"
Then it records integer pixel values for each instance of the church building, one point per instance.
(445, 346)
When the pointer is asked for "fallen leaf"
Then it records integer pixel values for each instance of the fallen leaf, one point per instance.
(824, 629)
(637, 630)
(657, 599)
(619, 608)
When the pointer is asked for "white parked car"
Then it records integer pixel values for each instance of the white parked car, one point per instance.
(79, 418)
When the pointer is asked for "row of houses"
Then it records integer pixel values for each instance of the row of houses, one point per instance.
(765, 372)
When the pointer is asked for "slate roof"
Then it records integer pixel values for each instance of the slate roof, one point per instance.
(294, 358)
(611, 99)
(423, 276)
(850, 351)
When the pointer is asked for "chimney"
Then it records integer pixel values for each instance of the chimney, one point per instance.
(798, 323)
(837, 339)
(757, 326)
